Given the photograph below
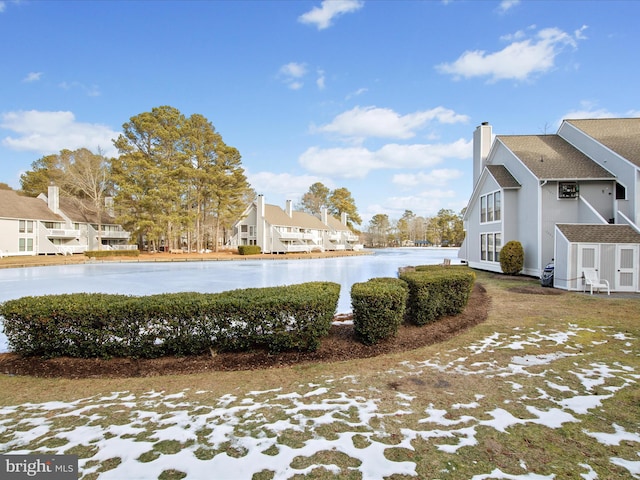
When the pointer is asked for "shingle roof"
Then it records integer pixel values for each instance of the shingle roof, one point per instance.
(82, 212)
(600, 233)
(276, 216)
(622, 135)
(13, 205)
(550, 157)
(503, 176)
(336, 224)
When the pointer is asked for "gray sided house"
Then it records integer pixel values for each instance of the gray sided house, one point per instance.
(276, 230)
(572, 197)
(51, 224)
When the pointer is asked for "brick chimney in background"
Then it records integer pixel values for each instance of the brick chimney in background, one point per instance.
(53, 198)
(289, 208)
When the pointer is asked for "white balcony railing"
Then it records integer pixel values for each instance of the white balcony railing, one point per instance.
(71, 249)
(123, 247)
(62, 233)
(114, 234)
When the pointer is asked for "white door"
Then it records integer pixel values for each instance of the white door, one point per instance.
(626, 268)
(588, 257)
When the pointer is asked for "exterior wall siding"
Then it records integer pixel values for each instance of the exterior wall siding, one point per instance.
(526, 212)
(9, 237)
(626, 172)
(562, 265)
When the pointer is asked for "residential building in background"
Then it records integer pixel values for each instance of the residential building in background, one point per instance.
(276, 230)
(51, 224)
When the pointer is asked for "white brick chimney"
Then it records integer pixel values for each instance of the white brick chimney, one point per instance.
(324, 215)
(53, 198)
(289, 208)
(481, 146)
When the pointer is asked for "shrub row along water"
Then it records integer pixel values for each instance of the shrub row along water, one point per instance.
(104, 325)
(420, 296)
(294, 317)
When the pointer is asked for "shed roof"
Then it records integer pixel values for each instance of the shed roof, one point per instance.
(14, 205)
(550, 157)
(503, 176)
(621, 135)
(599, 233)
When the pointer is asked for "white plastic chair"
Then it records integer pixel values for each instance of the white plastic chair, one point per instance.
(591, 279)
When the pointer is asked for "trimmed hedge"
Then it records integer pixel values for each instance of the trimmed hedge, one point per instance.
(249, 249)
(111, 253)
(512, 258)
(436, 291)
(378, 308)
(94, 325)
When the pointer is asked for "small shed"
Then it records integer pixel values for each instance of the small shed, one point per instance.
(613, 250)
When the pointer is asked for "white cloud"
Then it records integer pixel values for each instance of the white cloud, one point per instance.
(294, 70)
(321, 81)
(426, 204)
(357, 162)
(292, 186)
(438, 177)
(50, 132)
(292, 73)
(359, 123)
(322, 16)
(506, 5)
(357, 93)
(518, 61)
(3, 6)
(32, 77)
(89, 90)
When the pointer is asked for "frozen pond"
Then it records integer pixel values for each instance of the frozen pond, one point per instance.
(212, 276)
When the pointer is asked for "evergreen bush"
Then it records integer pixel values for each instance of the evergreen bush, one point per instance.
(512, 258)
(111, 253)
(436, 291)
(249, 249)
(90, 325)
(378, 308)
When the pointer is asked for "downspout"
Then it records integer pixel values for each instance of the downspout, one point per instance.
(540, 229)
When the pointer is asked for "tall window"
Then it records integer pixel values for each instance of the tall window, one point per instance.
(490, 207)
(25, 244)
(490, 247)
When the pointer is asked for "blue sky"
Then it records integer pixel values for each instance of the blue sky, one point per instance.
(380, 97)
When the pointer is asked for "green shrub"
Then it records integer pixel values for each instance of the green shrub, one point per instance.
(101, 326)
(249, 249)
(378, 308)
(111, 253)
(512, 258)
(436, 291)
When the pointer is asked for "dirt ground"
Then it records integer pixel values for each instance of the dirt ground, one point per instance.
(339, 345)
(46, 260)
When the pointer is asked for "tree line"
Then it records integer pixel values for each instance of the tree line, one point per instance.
(444, 229)
(174, 184)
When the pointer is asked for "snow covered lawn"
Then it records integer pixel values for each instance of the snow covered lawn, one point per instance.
(535, 400)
